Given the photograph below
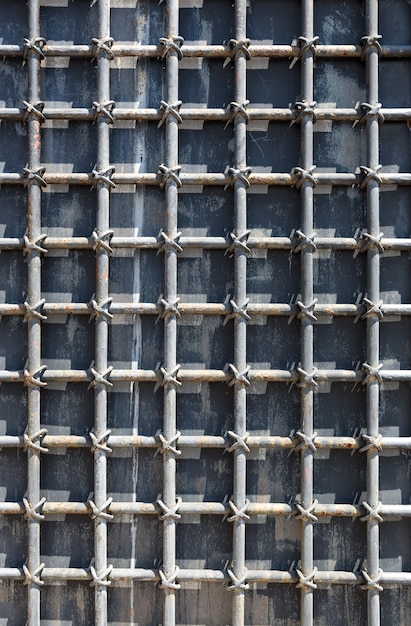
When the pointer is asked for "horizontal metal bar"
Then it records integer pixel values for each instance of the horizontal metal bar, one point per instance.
(207, 375)
(336, 577)
(206, 51)
(205, 179)
(207, 243)
(206, 115)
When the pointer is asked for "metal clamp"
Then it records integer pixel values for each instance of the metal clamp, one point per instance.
(306, 514)
(100, 379)
(103, 44)
(302, 176)
(372, 442)
(100, 579)
(372, 582)
(304, 45)
(99, 512)
(369, 241)
(34, 108)
(170, 108)
(239, 46)
(237, 175)
(238, 310)
(239, 378)
(238, 513)
(307, 310)
(168, 377)
(304, 109)
(371, 111)
(169, 307)
(372, 373)
(238, 584)
(34, 176)
(368, 42)
(30, 441)
(100, 442)
(170, 512)
(240, 442)
(307, 581)
(238, 109)
(105, 109)
(373, 512)
(172, 44)
(102, 240)
(304, 242)
(103, 177)
(101, 309)
(170, 582)
(169, 174)
(167, 444)
(34, 44)
(31, 512)
(305, 442)
(33, 379)
(33, 578)
(30, 245)
(238, 242)
(307, 378)
(170, 243)
(34, 311)
(370, 174)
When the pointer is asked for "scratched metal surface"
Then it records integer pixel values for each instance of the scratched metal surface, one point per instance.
(205, 342)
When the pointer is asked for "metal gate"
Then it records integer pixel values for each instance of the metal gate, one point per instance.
(205, 333)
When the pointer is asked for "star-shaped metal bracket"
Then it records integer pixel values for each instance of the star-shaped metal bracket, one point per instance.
(372, 512)
(239, 442)
(238, 175)
(35, 310)
(239, 378)
(101, 578)
(172, 44)
(307, 378)
(32, 512)
(306, 514)
(371, 442)
(302, 176)
(35, 175)
(34, 44)
(238, 242)
(304, 45)
(170, 243)
(170, 109)
(103, 177)
(33, 108)
(101, 309)
(100, 442)
(371, 111)
(238, 584)
(169, 307)
(304, 109)
(34, 441)
(170, 512)
(304, 241)
(238, 513)
(305, 443)
(372, 582)
(100, 378)
(306, 581)
(238, 46)
(100, 512)
(238, 310)
(369, 241)
(370, 174)
(237, 108)
(104, 109)
(33, 578)
(103, 44)
(31, 245)
(372, 309)
(168, 377)
(33, 379)
(372, 374)
(168, 445)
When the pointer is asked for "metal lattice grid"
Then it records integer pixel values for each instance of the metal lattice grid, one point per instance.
(209, 294)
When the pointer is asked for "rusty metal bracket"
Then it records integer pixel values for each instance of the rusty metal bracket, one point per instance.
(170, 512)
(303, 45)
(370, 173)
(170, 582)
(33, 379)
(34, 176)
(238, 584)
(103, 177)
(101, 579)
(33, 578)
(368, 42)
(102, 240)
(168, 377)
(372, 373)
(100, 512)
(302, 176)
(32, 512)
(372, 512)
(306, 581)
(372, 582)
(104, 109)
(167, 445)
(100, 378)
(170, 109)
(35, 310)
(238, 242)
(371, 111)
(33, 44)
(169, 174)
(238, 512)
(103, 44)
(307, 378)
(102, 308)
(170, 243)
(239, 378)
(33, 108)
(369, 241)
(100, 442)
(372, 443)
(30, 441)
(172, 44)
(304, 109)
(238, 310)
(34, 244)
(240, 442)
(238, 108)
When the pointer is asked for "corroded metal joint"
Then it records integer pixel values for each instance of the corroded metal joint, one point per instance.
(172, 44)
(103, 44)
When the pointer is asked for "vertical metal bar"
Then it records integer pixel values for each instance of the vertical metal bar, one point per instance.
(101, 323)
(307, 356)
(34, 323)
(170, 320)
(240, 328)
(373, 290)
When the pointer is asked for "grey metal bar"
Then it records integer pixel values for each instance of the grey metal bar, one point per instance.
(207, 51)
(171, 44)
(307, 356)
(102, 182)
(33, 567)
(240, 173)
(371, 50)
